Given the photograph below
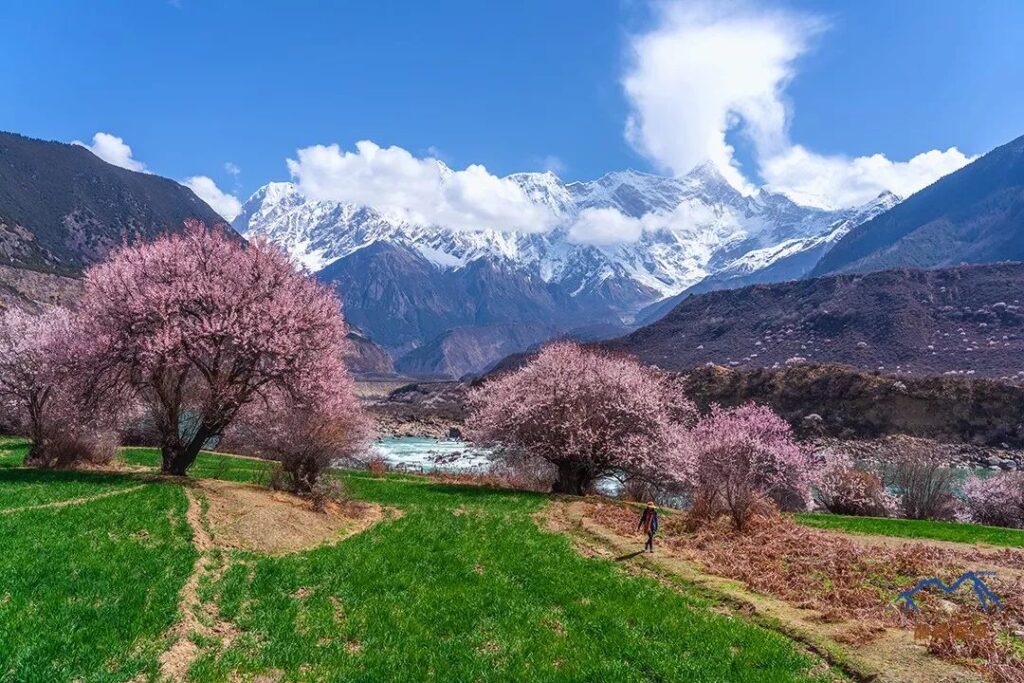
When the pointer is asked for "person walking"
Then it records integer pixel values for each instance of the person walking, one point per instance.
(649, 523)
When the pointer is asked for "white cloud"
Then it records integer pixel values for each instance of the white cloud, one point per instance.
(225, 204)
(553, 164)
(706, 70)
(605, 226)
(421, 190)
(232, 168)
(833, 181)
(113, 150)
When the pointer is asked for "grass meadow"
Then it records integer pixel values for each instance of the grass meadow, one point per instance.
(462, 585)
(916, 528)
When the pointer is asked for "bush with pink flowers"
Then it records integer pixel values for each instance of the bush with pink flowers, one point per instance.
(845, 489)
(742, 461)
(996, 501)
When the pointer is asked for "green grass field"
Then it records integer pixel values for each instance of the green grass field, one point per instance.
(463, 586)
(208, 465)
(88, 591)
(915, 528)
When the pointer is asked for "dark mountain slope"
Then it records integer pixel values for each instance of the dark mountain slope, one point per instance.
(967, 320)
(62, 208)
(975, 215)
(466, 350)
(400, 298)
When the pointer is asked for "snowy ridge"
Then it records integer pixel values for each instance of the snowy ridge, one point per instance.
(693, 227)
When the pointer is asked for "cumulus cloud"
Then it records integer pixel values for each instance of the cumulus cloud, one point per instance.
(843, 181)
(706, 70)
(227, 205)
(605, 226)
(113, 150)
(421, 190)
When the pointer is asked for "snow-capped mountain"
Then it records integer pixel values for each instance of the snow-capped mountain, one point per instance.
(689, 230)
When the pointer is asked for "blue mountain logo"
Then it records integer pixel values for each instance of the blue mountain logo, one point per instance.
(985, 595)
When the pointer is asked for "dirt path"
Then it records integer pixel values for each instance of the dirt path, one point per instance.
(72, 501)
(891, 656)
(246, 517)
(196, 616)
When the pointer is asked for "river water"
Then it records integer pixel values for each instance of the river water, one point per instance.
(423, 454)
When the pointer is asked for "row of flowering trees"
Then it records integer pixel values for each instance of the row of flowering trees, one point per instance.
(591, 415)
(587, 415)
(202, 337)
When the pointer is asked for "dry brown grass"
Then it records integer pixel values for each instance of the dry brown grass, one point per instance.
(843, 579)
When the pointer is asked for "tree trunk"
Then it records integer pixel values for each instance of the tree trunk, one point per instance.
(572, 479)
(177, 459)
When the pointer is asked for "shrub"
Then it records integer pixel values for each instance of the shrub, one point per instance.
(377, 465)
(588, 414)
(306, 438)
(843, 489)
(923, 483)
(741, 462)
(996, 501)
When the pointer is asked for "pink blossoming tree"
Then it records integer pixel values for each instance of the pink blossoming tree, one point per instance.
(40, 389)
(997, 500)
(306, 432)
(842, 488)
(734, 461)
(589, 414)
(198, 325)
(29, 375)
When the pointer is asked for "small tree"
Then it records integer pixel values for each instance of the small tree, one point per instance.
(924, 484)
(997, 500)
(306, 436)
(197, 325)
(589, 414)
(40, 389)
(735, 461)
(844, 489)
(28, 377)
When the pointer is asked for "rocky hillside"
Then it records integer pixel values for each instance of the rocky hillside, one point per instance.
(62, 208)
(464, 350)
(975, 215)
(366, 358)
(841, 402)
(967, 320)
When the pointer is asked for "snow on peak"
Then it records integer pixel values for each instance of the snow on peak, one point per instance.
(692, 227)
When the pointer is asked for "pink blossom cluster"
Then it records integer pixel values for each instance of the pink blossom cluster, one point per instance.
(589, 414)
(42, 388)
(194, 328)
(997, 500)
(736, 460)
(845, 489)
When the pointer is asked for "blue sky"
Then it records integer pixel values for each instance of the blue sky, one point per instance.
(195, 84)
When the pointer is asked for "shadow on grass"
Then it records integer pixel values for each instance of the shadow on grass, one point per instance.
(31, 475)
(630, 556)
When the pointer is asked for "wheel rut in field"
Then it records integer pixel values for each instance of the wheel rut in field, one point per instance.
(254, 519)
(82, 500)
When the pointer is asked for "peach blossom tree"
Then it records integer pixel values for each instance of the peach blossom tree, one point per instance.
(41, 389)
(588, 414)
(738, 460)
(198, 325)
